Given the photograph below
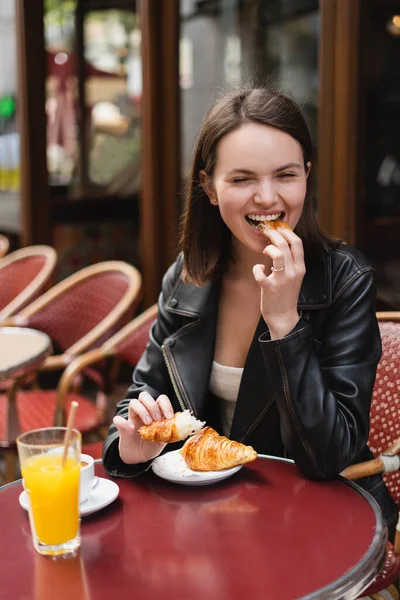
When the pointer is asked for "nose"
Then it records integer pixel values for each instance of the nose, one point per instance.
(266, 193)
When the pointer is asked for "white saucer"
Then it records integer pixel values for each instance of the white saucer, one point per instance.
(105, 492)
(172, 467)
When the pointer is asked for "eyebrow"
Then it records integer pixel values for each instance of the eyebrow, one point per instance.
(289, 166)
(245, 171)
(282, 168)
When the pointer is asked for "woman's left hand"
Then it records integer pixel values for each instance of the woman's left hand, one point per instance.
(280, 289)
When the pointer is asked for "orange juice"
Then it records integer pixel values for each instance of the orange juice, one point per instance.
(53, 491)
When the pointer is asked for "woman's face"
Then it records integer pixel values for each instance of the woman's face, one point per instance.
(259, 174)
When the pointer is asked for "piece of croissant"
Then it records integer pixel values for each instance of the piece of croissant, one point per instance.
(265, 225)
(209, 451)
(176, 429)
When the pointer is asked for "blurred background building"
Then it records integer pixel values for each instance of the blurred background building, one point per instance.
(100, 102)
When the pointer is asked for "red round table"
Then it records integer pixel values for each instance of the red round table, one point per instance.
(265, 533)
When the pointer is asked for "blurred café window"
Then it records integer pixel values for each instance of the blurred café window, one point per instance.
(93, 96)
(9, 135)
(93, 91)
(61, 90)
(227, 42)
(379, 162)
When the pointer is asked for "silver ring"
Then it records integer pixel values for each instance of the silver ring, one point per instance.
(277, 270)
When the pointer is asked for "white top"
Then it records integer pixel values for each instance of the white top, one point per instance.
(225, 383)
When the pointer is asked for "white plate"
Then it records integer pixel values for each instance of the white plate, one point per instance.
(105, 492)
(172, 467)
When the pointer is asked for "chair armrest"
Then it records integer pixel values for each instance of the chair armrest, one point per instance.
(387, 462)
(9, 322)
(364, 469)
(73, 369)
(57, 362)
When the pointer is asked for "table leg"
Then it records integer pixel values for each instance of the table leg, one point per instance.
(13, 430)
(13, 427)
(10, 460)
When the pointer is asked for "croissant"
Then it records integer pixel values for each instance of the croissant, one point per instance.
(208, 451)
(175, 429)
(265, 225)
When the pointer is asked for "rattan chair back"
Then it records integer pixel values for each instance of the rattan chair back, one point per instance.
(88, 307)
(24, 275)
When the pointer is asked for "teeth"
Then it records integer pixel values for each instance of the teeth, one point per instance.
(264, 217)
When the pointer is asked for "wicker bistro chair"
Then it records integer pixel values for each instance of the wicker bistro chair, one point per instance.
(384, 442)
(128, 345)
(24, 275)
(4, 245)
(79, 314)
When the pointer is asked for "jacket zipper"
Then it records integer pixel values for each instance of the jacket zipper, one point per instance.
(173, 373)
(256, 421)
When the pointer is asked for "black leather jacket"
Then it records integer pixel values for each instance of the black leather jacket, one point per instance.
(306, 396)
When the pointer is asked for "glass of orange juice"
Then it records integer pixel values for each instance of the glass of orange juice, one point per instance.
(52, 486)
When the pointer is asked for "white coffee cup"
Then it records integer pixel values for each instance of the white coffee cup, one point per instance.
(88, 479)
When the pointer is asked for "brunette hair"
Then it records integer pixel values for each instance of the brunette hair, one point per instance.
(205, 239)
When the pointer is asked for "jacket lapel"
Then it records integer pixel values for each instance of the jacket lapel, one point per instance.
(193, 344)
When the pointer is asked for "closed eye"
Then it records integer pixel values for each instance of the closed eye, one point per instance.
(240, 179)
(286, 175)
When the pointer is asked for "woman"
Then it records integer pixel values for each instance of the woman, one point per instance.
(270, 337)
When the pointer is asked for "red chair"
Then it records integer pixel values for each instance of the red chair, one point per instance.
(24, 275)
(127, 345)
(384, 442)
(79, 314)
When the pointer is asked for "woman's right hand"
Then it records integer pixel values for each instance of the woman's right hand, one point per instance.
(143, 411)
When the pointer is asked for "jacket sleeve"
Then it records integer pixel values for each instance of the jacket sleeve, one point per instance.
(324, 388)
(150, 375)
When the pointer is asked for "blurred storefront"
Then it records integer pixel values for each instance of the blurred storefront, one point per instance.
(9, 136)
(95, 140)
